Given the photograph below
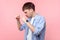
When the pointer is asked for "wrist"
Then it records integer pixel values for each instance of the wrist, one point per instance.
(27, 21)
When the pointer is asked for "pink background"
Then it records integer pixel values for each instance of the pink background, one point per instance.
(50, 9)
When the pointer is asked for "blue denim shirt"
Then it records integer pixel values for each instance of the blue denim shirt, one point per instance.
(39, 24)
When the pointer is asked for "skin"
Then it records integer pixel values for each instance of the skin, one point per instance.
(29, 13)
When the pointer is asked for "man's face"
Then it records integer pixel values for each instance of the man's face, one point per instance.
(28, 12)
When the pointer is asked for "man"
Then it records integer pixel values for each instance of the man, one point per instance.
(35, 24)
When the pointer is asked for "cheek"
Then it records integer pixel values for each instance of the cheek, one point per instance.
(30, 14)
(27, 15)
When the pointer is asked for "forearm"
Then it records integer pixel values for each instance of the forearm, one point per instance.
(30, 26)
(18, 24)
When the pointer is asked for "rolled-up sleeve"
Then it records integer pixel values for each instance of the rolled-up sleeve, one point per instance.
(23, 27)
(39, 25)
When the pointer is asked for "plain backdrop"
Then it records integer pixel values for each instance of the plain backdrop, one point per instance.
(50, 9)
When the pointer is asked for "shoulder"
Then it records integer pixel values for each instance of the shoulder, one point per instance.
(39, 17)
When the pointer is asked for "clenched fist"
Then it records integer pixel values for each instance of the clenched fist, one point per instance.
(18, 18)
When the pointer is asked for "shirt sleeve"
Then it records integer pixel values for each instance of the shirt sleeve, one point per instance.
(23, 27)
(39, 25)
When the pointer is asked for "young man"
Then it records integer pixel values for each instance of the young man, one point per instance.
(35, 24)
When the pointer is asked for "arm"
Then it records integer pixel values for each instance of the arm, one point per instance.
(39, 25)
(28, 25)
(19, 25)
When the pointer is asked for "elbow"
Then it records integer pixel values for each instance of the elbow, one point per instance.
(36, 32)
